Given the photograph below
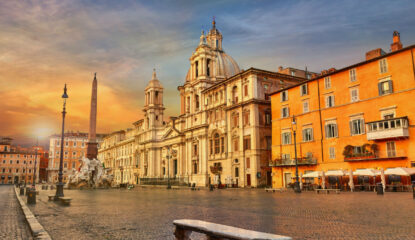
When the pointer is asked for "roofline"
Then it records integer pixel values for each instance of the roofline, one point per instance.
(253, 70)
(345, 68)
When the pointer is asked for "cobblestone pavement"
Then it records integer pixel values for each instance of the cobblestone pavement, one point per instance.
(12, 221)
(149, 213)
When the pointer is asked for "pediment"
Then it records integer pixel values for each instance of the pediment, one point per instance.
(171, 132)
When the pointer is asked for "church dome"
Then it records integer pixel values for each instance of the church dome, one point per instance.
(226, 65)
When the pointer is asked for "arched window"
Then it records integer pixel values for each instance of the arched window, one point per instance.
(217, 143)
(234, 94)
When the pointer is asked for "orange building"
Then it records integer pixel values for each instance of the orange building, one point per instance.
(17, 163)
(357, 117)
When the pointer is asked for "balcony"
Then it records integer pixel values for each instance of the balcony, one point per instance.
(379, 155)
(291, 162)
(388, 129)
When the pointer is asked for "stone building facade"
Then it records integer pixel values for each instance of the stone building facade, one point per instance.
(223, 132)
(17, 164)
(74, 149)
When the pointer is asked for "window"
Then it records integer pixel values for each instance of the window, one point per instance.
(247, 142)
(391, 149)
(305, 107)
(222, 144)
(208, 67)
(308, 76)
(235, 94)
(285, 156)
(267, 118)
(304, 89)
(66, 143)
(286, 138)
(65, 165)
(195, 150)
(332, 152)
(74, 144)
(383, 66)
(330, 101)
(217, 143)
(284, 96)
(385, 87)
(73, 164)
(211, 146)
(352, 74)
(357, 127)
(246, 90)
(197, 102)
(307, 134)
(292, 73)
(197, 68)
(246, 118)
(331, 130)
(236, 172)
(327, 82)
(74, 154)
(83, 144)
(285, 112)
(236, 144)
(268, 139)
(235, 120)
(354, 94)
(248, 163)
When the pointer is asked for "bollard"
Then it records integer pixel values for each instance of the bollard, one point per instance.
(379, 188)
(21, 191)
(31, 196)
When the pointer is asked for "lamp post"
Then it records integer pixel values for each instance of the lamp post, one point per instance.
(34, 167)
(59, 186)
(297, 183)
(25, 177)
(168, 168)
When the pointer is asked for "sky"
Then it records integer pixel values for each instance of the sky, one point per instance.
(45, 44)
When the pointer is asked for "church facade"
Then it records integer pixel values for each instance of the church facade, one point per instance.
(223, 132)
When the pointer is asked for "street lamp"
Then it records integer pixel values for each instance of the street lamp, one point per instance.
(168, 168)
(59, 186)
(297, 183)
(34, 167)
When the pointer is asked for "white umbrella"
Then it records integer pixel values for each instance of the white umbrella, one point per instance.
(334, 173)
(400, 171)
(301, 181)
(323, 180)
(366, 172)
(312, 174)
(382, 177)
(351, 184)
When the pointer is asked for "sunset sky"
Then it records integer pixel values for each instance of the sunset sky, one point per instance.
(45, 44)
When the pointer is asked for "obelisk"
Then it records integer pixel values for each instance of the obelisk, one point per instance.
(92, 150)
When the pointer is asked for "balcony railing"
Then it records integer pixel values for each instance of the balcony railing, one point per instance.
(291, 162)
(388, 128)
(381, 155)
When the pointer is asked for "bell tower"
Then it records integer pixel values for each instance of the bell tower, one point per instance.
(153, 107)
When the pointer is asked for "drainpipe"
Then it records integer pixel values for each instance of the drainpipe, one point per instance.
(413, 65)
(321, 121)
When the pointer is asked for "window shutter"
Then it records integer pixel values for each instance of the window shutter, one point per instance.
(332, 104)
(311, 134)
(326, 130)
(362, 125)
(336, 134)
(351, 127)
(288, 112)
(327, 102)
(390, 86)
(380, 88)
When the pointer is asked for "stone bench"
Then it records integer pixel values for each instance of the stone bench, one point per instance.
(65, 200)
(185, 227)
(327, 191)
(51, 197)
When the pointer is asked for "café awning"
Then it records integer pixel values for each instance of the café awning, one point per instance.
(366, 172)
(400, 171)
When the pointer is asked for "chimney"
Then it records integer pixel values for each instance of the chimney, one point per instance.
(374, 53)
(396, 45)
(280, 68)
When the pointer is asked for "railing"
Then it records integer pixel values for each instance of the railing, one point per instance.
(174, 181)
(215, 169)
(291, 162)
(185, 227)
(388, 128)
(380, 155)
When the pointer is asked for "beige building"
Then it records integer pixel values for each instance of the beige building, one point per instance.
(223, 133)
(74, 149)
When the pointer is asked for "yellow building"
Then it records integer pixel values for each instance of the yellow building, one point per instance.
(357, 117)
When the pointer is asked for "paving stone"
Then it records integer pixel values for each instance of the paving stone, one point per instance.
(149, 213)
(12, 221)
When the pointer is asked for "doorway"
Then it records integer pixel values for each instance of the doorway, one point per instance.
(16, 179)
(269, 178)
(287, 179)
(248, 180)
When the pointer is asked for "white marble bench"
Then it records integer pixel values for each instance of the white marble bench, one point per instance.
(185, 227)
